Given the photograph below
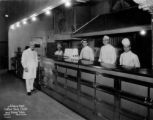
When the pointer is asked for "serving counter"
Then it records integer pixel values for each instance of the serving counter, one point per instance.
(100, 93)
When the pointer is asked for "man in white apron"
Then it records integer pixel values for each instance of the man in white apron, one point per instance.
(128, 58)
(107, 52)
(86, 52)
(29, 62)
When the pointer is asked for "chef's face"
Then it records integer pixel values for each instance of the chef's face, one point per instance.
(105, 41)
(84, 43)
(127, 48)
(59, 46)
(32, 47)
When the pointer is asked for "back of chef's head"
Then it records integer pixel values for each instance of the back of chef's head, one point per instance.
(126, 42)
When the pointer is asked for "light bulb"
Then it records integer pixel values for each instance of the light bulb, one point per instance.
(24, 21)
(12, 27)
(34, 17)
(18, 24)
(142, 32)
(47, 12)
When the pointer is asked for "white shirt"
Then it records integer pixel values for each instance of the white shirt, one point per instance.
(59, 52)
(29, 60)
(87, 53)
(107, 54)
(129, 59)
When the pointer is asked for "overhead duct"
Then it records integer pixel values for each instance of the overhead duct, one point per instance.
(128, 20)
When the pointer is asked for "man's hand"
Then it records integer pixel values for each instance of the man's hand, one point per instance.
(26, 69)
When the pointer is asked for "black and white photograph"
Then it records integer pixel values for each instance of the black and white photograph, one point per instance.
(76, 59)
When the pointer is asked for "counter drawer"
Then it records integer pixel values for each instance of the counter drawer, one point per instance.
(87, 76)
(87, 90)
(134, 88)
(105, 80)
(72, 72)
(104, 97)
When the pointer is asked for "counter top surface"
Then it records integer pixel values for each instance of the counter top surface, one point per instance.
(123, 69)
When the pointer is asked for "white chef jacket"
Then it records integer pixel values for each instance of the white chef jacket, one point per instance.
(107, 54)
(129, 59)
(87, 53)
(29, 60)
(59, 52)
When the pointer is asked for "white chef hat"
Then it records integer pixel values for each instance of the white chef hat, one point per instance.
(106, 37)
(126, 42)
(84, 40)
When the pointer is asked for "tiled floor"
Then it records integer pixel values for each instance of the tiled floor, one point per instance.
(16, 105)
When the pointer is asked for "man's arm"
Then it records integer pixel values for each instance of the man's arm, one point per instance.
(113, 56)
(92, 55)
(36, 59)
(121, 59)
(100, 56)
(81, 54)
(24, 61)
(136, 62)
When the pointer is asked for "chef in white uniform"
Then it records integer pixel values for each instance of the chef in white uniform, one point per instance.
(59, 51)
(107, 52)
(86, 52)
(128, 58)
(29, 62)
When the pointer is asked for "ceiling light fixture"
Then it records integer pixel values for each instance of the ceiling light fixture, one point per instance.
(143, 32)
(12, 27)
(24, 21)
(67, 3)
(34, 17)
(6, 15)
(47, 12)
(18, 24)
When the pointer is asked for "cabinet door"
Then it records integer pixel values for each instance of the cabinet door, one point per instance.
(105, 81)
